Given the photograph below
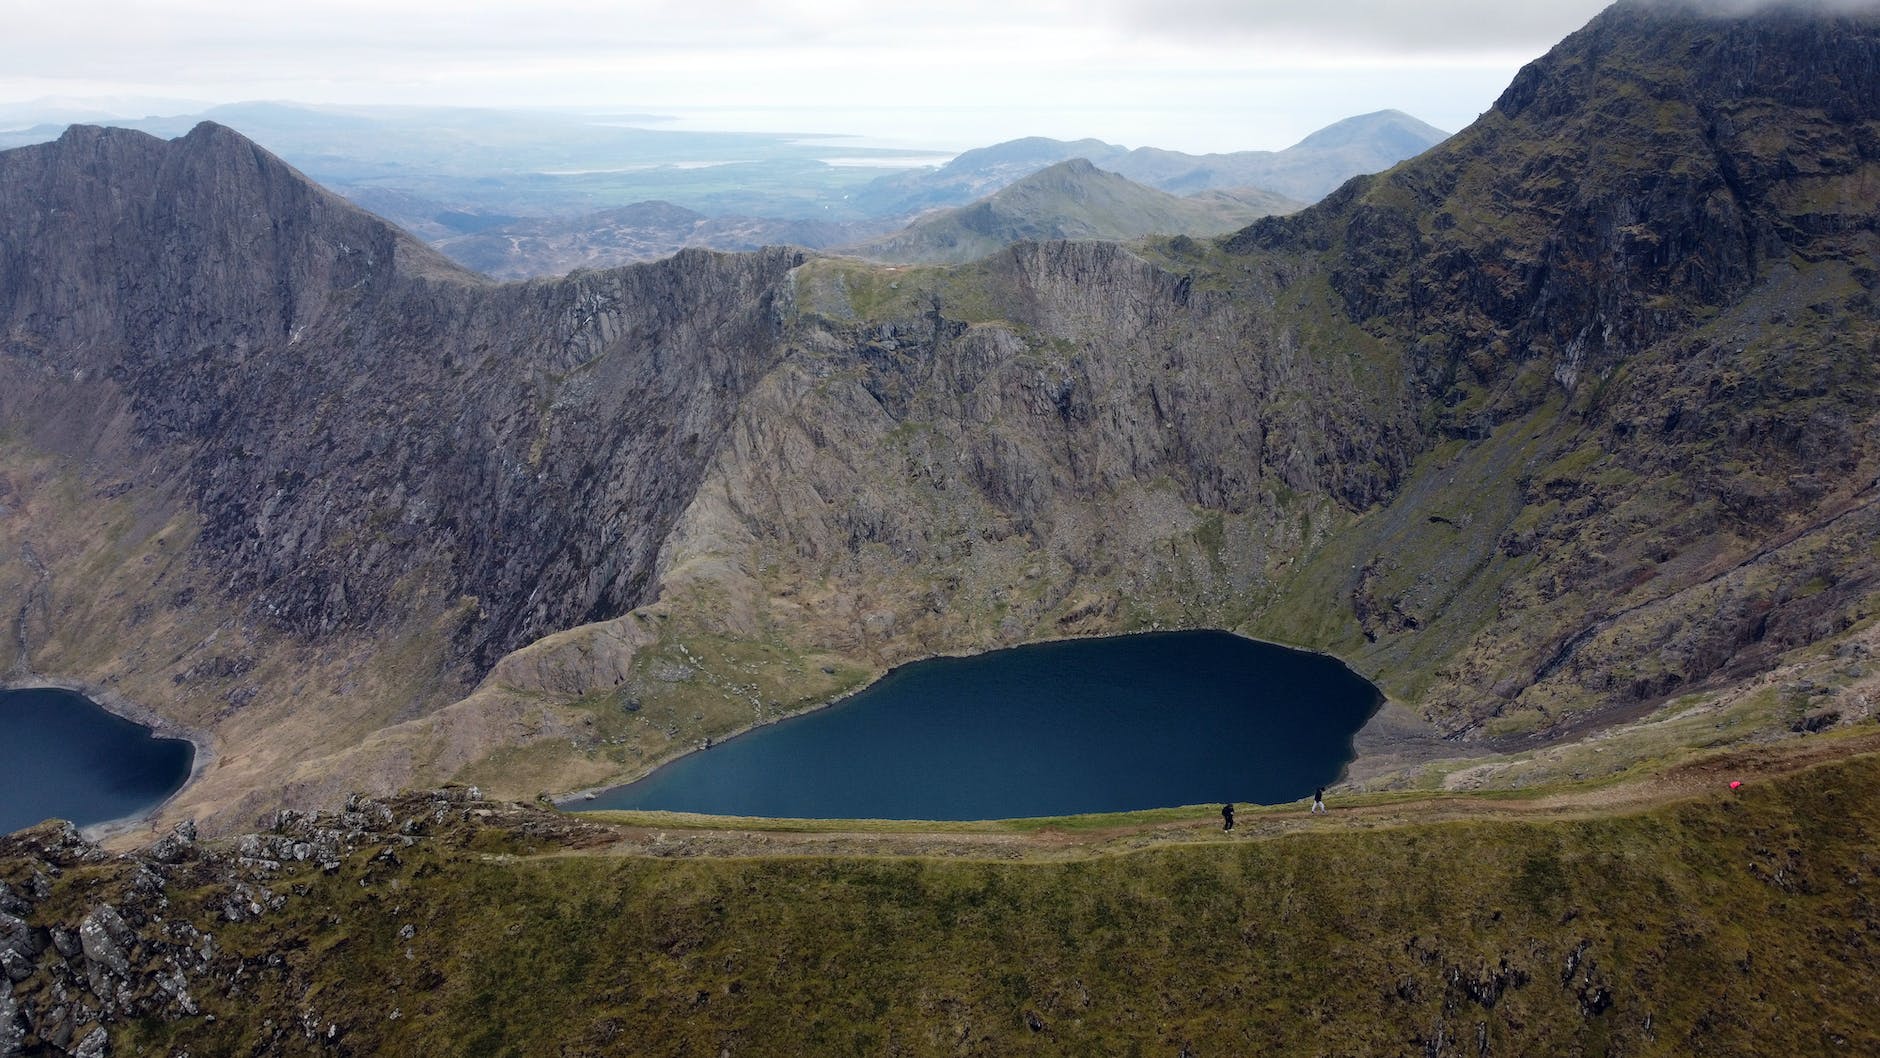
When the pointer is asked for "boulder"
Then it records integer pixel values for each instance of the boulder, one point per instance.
(176, 846)
(105, 938)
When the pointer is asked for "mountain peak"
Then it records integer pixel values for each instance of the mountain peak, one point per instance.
(1070, 169)
(1644, 172)
(1395, 126)
(1069, 200)
(1808, 53)
(79, 134)
(266, 244)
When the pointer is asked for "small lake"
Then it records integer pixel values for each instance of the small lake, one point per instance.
(64, 757)
(1086, 725)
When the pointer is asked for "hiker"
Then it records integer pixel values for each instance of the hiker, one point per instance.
(1227, 817)
(1318, 800)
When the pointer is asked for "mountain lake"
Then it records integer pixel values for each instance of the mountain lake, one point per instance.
(63, 756)
(1079, 726)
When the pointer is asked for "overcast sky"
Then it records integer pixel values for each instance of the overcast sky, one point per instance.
(1186, 74)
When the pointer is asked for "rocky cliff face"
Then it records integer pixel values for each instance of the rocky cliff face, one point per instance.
(1639, 291)
(1569, 414)
(352, 413)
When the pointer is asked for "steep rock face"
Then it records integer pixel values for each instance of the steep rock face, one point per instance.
(353, 413)
(121, 244)
(1641, 290)
(282, 474)
(1109, 448)
(1627, 184)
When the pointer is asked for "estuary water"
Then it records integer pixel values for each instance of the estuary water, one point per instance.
(1086, 725)
(63, 756)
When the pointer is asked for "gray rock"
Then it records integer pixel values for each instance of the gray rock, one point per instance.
(176, 846)
(172, 983)
(16, 965)
(105, 940)
(96, 1044)
(56, 1025)
(12, 1029)
(16, 935)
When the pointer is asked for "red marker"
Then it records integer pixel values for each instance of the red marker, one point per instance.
(1736, 784)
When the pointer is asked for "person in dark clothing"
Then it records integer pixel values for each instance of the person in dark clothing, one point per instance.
(1227, 817)
(1318, 800)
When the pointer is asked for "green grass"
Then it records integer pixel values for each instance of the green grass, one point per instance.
(1730, 925)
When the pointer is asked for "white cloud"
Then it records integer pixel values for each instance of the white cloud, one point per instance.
(1372, 28)
(189, 40)
(1255, 72)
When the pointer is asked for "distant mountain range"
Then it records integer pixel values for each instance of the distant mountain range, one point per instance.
(1307, 171)
(1070, 200)
(517, 194)
(1096, 190)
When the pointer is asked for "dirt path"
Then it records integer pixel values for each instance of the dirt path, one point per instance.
(1704, 777)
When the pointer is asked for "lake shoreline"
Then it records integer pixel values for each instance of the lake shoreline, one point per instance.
(1313, 688)
(1385, 702)
(160, 726)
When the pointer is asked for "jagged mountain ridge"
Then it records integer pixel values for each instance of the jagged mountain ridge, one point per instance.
(1070, 200)
(1409, 424)
(272, 339)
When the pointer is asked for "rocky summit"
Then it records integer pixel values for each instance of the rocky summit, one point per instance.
(1565, 423)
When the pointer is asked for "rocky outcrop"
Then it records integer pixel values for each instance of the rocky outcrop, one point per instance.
(139, 949)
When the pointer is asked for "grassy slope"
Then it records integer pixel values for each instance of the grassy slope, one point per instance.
(1725, 925)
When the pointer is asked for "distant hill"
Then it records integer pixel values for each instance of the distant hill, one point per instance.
(1307, 171)
(1070, 200)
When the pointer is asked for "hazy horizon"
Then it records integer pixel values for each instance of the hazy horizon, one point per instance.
(1190, 75)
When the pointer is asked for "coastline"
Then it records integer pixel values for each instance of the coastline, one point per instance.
(1388, 736)
(138, 713)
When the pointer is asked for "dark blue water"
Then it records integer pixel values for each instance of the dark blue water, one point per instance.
(1088, 725)
(61, 756)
